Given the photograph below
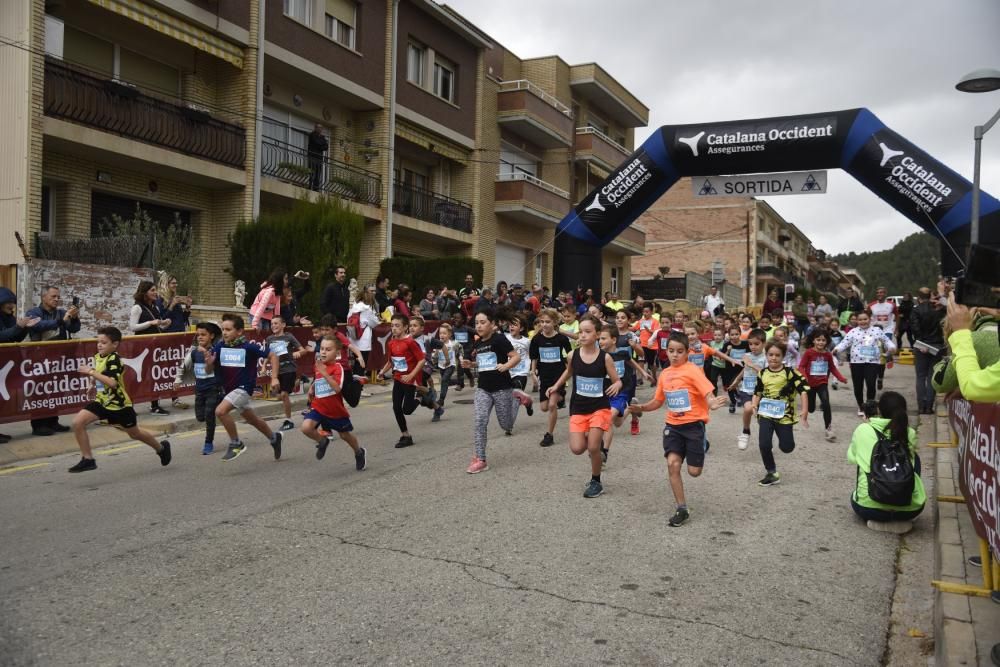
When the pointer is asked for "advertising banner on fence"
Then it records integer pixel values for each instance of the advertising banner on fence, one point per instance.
(978, 428)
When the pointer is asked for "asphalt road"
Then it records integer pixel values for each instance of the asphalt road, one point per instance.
(413, 561)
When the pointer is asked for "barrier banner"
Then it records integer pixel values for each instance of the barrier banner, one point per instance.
(41, 379)
(977, 426)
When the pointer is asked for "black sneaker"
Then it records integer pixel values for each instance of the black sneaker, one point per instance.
(679, 518)
(84, 465)
(44, 431)
(878, 384)
(604, 457)
(276, 444)
(361, 459)
(529, 408)
(164, 452)
(321, 448)
(287, 425)
(233, 451)
(547, 440)
(770, 479)
(405, 441)
(61, 428)
(508, 433)
(593, 489)
(158, 411)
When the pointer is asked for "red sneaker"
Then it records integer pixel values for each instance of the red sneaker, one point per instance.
(635, 426)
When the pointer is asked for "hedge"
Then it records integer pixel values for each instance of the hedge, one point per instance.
(420, 272)
(311, 236)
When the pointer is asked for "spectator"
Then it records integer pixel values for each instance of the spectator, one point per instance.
(146, 319)
(903, 311)
(381, 296)
(318, 145)
(468, 290)
(369, 319)
(713, 302)
(925, 326)
(336, 296)
(851, 304)
(534, 300)
(291, 298)
(447, 303)
(503, 294)
(268, 301)
(517, 297)
(402, 301)
(772, 303)
(614, 304)
(824, 308)
(428, 306)
(13, 329)
(174, 307)
(975, 382)
(53, 323)
(800, 311)
(486, 301)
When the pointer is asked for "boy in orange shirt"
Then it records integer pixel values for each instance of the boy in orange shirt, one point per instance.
(689, 397)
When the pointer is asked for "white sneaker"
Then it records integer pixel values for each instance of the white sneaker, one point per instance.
(743, 441)
(861, 413)
(834, 385)
(897, 527)
(830, 437)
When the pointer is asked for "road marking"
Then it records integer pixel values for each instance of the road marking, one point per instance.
(123, 448)
(13, 469)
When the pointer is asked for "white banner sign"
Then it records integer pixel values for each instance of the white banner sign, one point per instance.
(759, 185)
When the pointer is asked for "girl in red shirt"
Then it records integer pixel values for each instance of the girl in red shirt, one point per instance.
(406, 361)
(816, 365)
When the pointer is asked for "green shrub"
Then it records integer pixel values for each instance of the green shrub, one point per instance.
(422, 272)
(311, 236)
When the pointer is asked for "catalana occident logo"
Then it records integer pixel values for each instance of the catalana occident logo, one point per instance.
(731, 138)
(912, 179)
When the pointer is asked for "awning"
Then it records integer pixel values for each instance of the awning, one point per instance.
(178, 28)
(432, 143)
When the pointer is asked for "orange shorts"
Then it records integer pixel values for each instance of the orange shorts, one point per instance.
(583, 423)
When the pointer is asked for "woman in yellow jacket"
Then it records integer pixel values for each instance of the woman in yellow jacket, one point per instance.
(892, 423)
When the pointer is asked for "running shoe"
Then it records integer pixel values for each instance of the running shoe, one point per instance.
(524, 400)
(404, 441)
(743, 441)
(770, 479)
(164, 453)
(830, 437)
(287, 425)
(604, 457)
(158, 411)
(276, 444)
(878, 385)
(679, 518)
(361, 459)
(208, 449)
(547, 440)
(593, 489)
(732, 409)
(84, 465)
(861, 413)
(321, 448)
(233, 451)
(635, 426)
(437, 415)
(834, 385)
(478, 465)
(508, 433)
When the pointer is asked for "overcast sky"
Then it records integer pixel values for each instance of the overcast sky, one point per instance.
(708, 60)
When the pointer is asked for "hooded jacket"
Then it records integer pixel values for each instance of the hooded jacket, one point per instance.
(9, 331)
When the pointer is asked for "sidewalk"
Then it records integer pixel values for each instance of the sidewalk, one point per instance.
(24, 446)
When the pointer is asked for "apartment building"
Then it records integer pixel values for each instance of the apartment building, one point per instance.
(445, 142)
(741, 240)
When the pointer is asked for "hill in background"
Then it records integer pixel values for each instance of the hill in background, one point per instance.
(906, 267)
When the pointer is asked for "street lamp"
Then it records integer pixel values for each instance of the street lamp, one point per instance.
(979, 81)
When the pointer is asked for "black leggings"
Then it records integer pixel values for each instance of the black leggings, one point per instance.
(824, 400)
(786, 441)
(729, 374)
(404, 402)
(866, 375)
(714, 373)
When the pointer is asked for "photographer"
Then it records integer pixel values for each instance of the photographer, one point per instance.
(925, 330)
(975, 383)
(52, 323)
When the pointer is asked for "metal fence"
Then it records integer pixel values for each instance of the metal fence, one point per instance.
(432, 207)
(128, 251)
(292, 164)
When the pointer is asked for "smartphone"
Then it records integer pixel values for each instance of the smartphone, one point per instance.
(76, 302)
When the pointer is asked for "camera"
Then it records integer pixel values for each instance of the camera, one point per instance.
(979, 285)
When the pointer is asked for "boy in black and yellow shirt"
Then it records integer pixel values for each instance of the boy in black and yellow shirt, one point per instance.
(774, 404)
(111, 403)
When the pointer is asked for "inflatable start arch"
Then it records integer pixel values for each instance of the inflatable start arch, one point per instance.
(911, 181)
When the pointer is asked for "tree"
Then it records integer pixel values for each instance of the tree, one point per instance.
(912, 263)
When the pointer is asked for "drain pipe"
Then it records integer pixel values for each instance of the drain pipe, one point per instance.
(258, 108)
(390, 194)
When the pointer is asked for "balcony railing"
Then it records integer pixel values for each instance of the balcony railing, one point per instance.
(292, 164)
(603, 137)
(520, 176)
(786, 277)
(432, 207)
(123, 109)
(524, 84)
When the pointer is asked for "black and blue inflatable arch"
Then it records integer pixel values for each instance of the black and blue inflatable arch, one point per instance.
(927, 192)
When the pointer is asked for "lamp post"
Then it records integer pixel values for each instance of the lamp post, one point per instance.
(979, 81)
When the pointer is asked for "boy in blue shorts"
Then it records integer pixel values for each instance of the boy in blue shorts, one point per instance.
(745, 383)
(328, 411)
(619, 348)
(689, 397)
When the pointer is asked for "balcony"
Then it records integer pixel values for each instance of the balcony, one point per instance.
(772, 273)
(530, 112)
(123, 109)
(631, 241)
(530, 200)
(592, 145)
(431, 207)
(591, 82)
(292, 164)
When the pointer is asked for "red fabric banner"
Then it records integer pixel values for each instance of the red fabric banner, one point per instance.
(978, 428)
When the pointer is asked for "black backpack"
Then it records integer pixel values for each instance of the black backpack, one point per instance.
(891, 475)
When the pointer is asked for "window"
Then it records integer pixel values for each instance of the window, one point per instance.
(147, 73)
(416, 58)
(113, 61)
(48, 210)
(513, 161)
(300, 10)
(444, 80)
(616, 273)
(538, 268)
(92, 53)
(341, 17)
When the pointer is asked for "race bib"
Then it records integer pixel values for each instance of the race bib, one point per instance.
(771, 407)
(648, 326)
(440, 358)
(399, 364)
(737, 353)
(550, 355)
(486, 361)
(199, 371)
(462, 336)
(322, 388)
(233, 357)
(697, 359)
(522, 367)
(589, 387)
(678, 400)
(748, 384)
(279, 347)
(99, 386)
(868, 354)
(819, 368)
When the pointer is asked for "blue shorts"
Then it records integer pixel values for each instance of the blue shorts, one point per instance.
(743, 397)
(338, 424)
(621, 401)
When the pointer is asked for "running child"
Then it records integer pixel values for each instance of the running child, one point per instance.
(282, 351)
(774, 405)
(447, 358)
(688, 395)
(782, 333)
(111, 402)
(463, 336)
(717, 365)
(647, 326)
(425, 386)
(569, 327)
(237, 363)
(836, 336)
(615, 344)
(745, 382)
(406, 361)
(493, 356)
(736, 347)
(548, 350)
(816, 365)
(595, 379)
(697, 350)
(627, 341)
(207, 390)
(866, 344)
(519, 374)
(328, 411)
